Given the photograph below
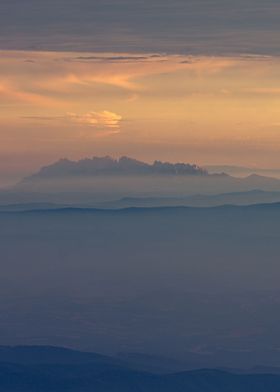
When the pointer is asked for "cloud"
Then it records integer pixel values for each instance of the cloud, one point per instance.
(99, 120)
(55, 79)
(103, 119)
(11, 93)
(122, 59)
(193, 26)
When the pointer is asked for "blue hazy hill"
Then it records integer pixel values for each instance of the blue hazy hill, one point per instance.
(197, 285)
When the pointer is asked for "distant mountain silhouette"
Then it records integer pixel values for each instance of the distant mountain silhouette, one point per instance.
(109, 166)
(106, 179)
(242, 171)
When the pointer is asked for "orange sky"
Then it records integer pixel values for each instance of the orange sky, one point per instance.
(149, 106)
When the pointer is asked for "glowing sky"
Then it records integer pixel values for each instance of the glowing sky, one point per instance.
(196, 82)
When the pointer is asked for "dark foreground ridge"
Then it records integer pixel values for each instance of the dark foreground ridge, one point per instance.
(43, 368)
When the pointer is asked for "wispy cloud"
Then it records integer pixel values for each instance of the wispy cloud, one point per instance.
(12, 93)
(103, 119)
(53, 79)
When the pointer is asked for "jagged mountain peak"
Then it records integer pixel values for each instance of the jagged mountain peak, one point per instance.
(108, 165)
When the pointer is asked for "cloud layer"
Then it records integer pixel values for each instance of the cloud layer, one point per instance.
(180, 26)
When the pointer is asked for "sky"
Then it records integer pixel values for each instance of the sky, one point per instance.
(193, 81)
